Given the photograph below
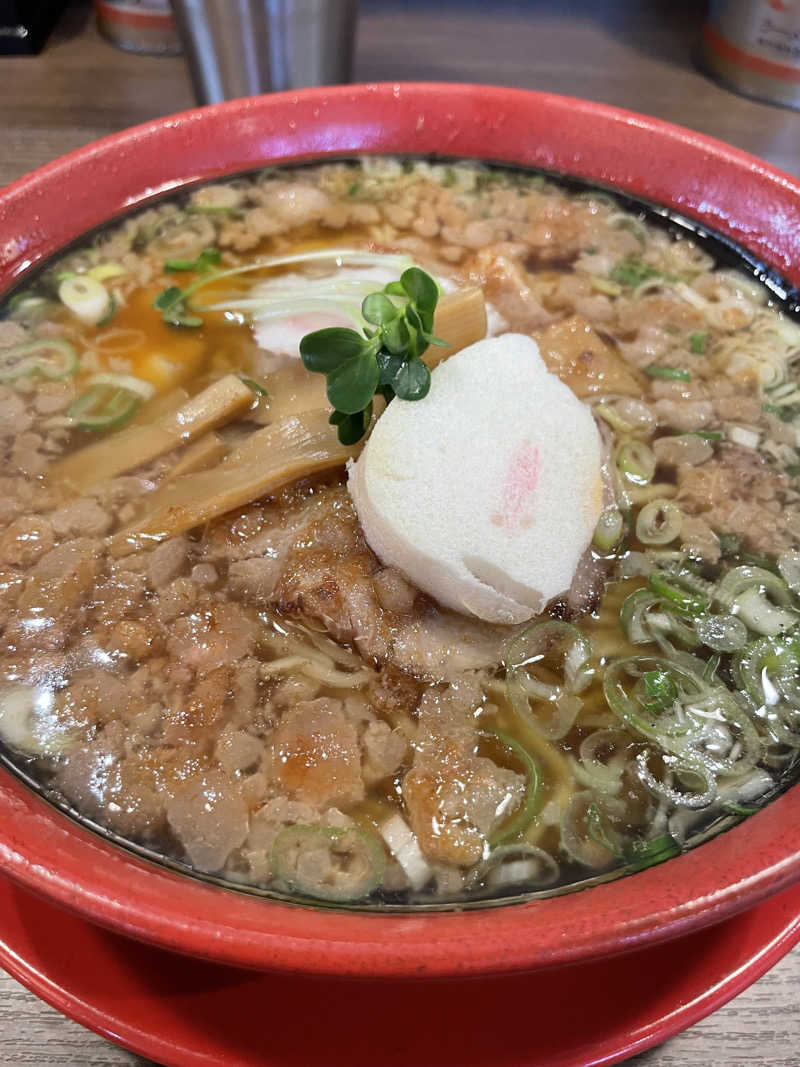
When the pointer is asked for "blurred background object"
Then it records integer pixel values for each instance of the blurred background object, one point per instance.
(144, 26)
(25, 24)
(753, 46)
(243, 47)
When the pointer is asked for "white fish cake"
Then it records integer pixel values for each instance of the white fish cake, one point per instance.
(487, 492)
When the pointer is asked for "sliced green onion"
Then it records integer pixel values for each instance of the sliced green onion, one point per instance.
(604, 285)
(51, 357)
(631, 709)
(143, 389)
(744, 437)
(723, 633)
(768, 672)
(632, 272)
(608, 531)
(110, 313)
(633, 615)
(643, 854)
(596, 830)
(257, 388)
(626, 415)
(533, 799)
(660, 691)
(700, 787)
(678, 592)
(328, 864)
(754, 668)
(103, 271)
(706, 725)
(697, 343)
(659, 522)
(760, 598)
(558, 648)
(520, 864)
(704, 435)
(740, 809)
(637, 462)
(104, 407)
(669, 373)
(647, 617)
(780, 411)
(789, 569)
(760, 615)
(604, 775)
(26, 301)
(729, 544)
(86, 298)
(584, 837)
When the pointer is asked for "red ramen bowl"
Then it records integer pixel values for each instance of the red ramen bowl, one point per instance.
(744, 199)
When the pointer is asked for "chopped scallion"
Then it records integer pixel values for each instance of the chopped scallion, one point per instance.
(668, 373)
(705, 435)
(697, 343)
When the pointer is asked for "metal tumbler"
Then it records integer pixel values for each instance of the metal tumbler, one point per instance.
(244, 47)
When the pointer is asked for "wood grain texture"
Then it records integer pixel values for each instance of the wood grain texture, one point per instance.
(624, 52)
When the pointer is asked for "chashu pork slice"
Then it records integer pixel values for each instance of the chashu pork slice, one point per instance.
(486, 492)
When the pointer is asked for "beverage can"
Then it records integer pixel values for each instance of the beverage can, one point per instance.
(143, 26)
(753, 46)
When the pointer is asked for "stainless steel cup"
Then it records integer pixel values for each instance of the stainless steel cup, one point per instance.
(244, 47)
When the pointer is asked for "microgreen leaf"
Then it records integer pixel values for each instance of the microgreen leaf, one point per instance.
(396, 336)
(168, 298)
(351, 428)
(384, 359)
(422, 289)
(171, 303)
(352, 385)
(437, 341)
(379, 310)
(207, 260)
(324, 350)
(388, 364)
(412, 381)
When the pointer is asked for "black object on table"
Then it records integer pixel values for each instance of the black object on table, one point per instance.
(25, 24)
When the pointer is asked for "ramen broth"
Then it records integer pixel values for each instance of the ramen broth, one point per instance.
(202, 654)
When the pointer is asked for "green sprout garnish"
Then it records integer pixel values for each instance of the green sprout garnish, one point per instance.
(171, 303)
(206, 261)
(385, 360)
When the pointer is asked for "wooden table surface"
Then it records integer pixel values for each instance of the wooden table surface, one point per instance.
(626, 52)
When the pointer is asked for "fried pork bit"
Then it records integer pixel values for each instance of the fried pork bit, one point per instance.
(575, 352)
(453, 797)
(316, 755)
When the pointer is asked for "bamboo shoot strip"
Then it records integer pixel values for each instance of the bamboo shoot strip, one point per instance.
(130, 448)
(199, 455)
(281, 453)
(460, 320)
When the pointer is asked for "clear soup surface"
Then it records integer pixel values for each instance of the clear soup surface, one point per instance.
(203, 656)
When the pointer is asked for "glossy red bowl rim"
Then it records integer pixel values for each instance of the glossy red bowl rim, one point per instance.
(730, 191)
